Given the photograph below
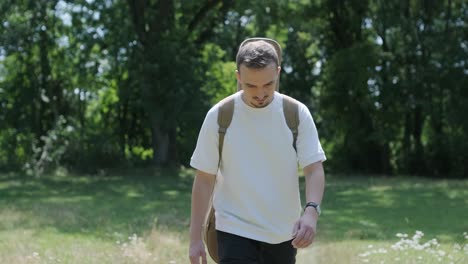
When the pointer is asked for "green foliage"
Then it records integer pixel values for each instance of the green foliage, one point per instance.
(385, 81)
(15, 149)
(348, 105)
(220, 77)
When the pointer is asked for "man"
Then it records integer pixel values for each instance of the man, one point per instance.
(256, 198)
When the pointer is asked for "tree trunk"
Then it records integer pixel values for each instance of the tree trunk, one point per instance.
(406, 142)
(122, 113)
(418, 165)
(172, 151)
(160, 144)
(152, 20)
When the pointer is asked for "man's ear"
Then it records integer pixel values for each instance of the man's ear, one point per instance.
(279, 69)
(239, 87)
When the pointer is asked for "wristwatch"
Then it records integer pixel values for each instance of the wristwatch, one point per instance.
(316, 206)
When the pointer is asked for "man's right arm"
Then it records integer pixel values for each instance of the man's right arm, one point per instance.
(201, 194)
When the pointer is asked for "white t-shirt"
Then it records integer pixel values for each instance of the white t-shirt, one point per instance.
(257, 189)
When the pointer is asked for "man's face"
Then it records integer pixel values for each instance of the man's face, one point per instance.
(258, 84)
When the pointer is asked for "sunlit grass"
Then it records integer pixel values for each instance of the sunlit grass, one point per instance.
(145, 218)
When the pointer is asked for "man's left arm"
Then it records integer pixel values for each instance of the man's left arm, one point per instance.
(305, 228)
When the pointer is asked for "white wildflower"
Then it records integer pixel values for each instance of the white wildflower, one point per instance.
(397, 246)
(419, 247)
(382, 250)
(433, 242)
(417, 236)
(365, 254)
(400, 235)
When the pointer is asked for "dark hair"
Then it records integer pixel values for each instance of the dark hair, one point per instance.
(256, 55)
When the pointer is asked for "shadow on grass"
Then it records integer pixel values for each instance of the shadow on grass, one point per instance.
(98, 206)
(379, 208)
(354, 207)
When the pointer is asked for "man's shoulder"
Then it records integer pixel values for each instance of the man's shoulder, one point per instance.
(224, 101)
(213, 112)
(227, 99)
(301, 106)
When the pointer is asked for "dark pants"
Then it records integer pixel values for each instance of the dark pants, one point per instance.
(233, 249)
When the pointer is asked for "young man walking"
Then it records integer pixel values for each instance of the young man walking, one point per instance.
(259, 216)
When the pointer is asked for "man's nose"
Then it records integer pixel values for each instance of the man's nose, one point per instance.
(261, 92)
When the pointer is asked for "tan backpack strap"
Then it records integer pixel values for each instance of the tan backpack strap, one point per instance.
(225, 113)
(291, 114)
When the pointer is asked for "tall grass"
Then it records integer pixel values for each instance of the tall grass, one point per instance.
(144, 218)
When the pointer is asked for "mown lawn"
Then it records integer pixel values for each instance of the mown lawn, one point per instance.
(144, 218)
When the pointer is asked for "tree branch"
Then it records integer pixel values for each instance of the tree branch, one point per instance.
(137, 9)
(201, 14)
(209, 30)
(164, 17)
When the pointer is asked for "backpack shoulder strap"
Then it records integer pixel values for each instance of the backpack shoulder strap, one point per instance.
(291, 114)
(225, 113)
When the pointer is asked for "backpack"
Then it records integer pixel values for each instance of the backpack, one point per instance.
(225, 113)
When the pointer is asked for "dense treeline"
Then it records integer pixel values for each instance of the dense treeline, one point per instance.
(92, 84)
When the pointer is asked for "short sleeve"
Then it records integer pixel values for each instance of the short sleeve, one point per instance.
(205, 157)
(309, 149)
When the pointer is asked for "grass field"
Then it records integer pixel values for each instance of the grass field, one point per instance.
(144, 218)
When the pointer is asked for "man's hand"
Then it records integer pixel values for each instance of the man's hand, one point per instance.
(305, 228)
(197, 251)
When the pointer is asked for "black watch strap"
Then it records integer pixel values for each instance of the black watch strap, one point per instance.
(316, 206)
